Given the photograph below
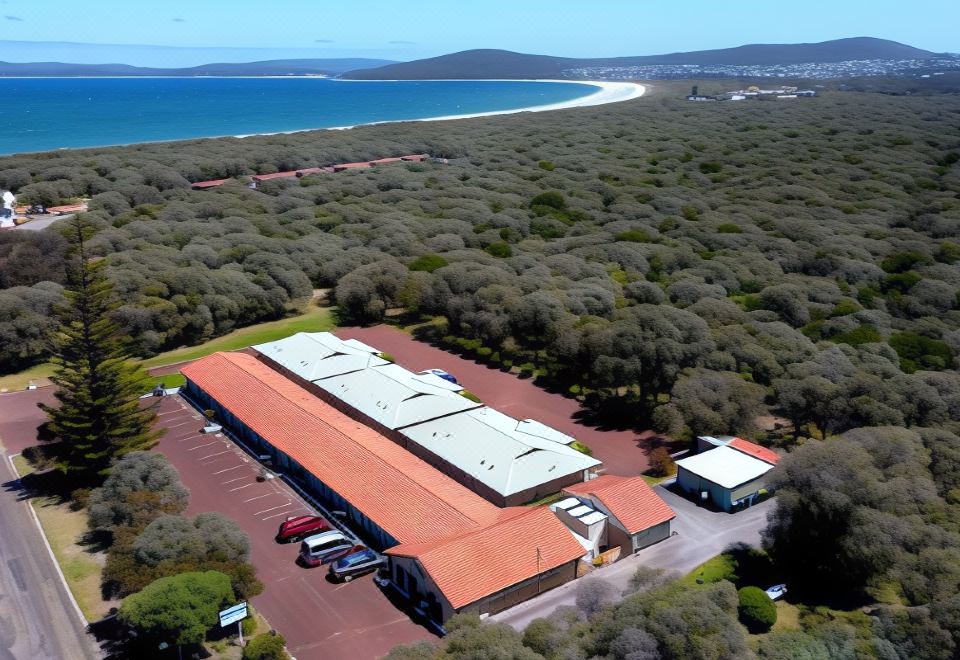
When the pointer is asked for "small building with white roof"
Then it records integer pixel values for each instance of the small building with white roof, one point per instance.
(725, 476)
(317, 355)
(506, 460)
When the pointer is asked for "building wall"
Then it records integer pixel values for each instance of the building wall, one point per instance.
(650, 536)
(747, 489)
(693, 484)
(376, 537)
(616, 536)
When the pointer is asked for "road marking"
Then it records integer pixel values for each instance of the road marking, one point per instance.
(239, 487)
(232, 480)
(283, 513)
(235, 467)
(202, 446)
(258, 496)
(225, 451)
(273, 508)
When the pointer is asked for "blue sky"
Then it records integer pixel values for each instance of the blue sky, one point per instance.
(240, 30)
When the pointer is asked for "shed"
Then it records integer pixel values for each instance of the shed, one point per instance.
(725, 476)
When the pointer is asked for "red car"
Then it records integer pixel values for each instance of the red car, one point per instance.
(297, 528)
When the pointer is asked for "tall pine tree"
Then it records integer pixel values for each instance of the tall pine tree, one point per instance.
(100, 416)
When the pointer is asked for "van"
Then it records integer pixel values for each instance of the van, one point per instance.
(323, 548)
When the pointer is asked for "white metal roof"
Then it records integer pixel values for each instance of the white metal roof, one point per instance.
(395, 397)
(566, 504)
(494, 449)
(318, 355)
(725, 466)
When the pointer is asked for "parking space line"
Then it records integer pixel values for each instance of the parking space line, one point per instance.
(273, 508)
(202, 446)
(243, 486)
(235, 467)
(259, 497)
(225, 451)
(232, 480)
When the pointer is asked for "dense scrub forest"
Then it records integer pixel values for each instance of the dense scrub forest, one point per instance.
(691, 266)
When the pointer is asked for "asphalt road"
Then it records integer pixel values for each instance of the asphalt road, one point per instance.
(41, 222)
(37, 620)
(700, 535)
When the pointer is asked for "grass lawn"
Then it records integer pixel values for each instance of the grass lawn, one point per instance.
(653, 481)
(788, 616)
(64, 529)
(713, 570)
(315, 319)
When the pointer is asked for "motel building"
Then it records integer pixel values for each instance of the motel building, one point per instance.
(423, 474)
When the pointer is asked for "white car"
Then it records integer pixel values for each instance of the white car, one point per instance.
(776, 591)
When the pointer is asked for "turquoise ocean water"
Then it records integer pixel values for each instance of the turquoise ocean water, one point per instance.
(42, 114)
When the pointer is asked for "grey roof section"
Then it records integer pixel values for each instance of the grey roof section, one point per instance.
(318, 355)
(726, 467)
(395, 397)
(507, 455)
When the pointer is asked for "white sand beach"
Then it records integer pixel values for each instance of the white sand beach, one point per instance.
(608, 92)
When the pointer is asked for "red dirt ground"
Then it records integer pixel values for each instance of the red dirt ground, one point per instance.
(622, 452)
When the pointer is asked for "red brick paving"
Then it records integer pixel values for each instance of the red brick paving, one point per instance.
(20, 417)
(622, 452)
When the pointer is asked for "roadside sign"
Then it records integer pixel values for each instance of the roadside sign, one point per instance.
(233, 614)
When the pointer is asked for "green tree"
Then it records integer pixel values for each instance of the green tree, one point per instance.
(268, 646)
(178, 609)
(99, 416)
(757, 612)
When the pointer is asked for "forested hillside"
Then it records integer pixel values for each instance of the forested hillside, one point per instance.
(692, 264)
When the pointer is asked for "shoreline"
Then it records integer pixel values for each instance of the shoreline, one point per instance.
(609, 92)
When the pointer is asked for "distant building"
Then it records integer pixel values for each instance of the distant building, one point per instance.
(8, 210)
(695, 95)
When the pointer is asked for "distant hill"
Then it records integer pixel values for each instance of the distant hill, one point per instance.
(329, 67)
(506, 64)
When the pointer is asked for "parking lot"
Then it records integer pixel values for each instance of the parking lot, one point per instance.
(319, 618)
(622, 452)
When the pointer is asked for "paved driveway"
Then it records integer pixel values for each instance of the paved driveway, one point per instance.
(319, 619)
(622, 452)
(700, 535)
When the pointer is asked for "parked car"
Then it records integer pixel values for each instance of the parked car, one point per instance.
(442, 374)
(357, 563)
(776, 591)
(326, 547)
(297, 528)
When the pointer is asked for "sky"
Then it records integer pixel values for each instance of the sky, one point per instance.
(141, 32)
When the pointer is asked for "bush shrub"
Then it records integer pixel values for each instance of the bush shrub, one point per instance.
(661, 463)
(756, 611)
(267, 646)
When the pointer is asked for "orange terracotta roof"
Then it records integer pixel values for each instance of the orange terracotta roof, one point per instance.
(208, 184)
(526, 541)
(755, 450)
(402, 494)
(631, 500)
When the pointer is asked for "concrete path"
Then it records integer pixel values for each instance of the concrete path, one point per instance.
(40, 223)
(700, 535)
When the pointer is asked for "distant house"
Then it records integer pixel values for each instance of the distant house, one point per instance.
(206, 185)
(637, 516)
(8, 210)
(728, 472)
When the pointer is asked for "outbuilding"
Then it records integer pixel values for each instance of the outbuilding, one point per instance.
(638, 517)
(726, 476)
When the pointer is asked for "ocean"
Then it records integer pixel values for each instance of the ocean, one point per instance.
(43, 114)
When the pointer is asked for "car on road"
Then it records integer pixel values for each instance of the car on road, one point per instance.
(441, 374)
(326, 547)
(355, 564)
(776, 591)
(297, 528)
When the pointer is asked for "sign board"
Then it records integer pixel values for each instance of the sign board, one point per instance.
(233, 614)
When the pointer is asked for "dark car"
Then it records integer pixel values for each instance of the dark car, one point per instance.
(357, 563)
(297, 528)
(325, 548)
